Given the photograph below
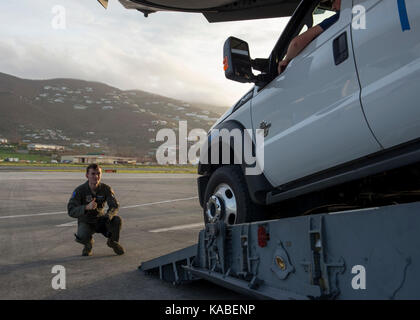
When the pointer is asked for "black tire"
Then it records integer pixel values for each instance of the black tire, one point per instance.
(247, 210)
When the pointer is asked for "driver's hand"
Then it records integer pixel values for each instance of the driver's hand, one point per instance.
(282, 66)
(92, 205)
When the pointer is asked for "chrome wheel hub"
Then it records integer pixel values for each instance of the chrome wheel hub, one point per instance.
(222, 205)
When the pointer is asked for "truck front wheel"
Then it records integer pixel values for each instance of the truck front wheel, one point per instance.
(227, 198)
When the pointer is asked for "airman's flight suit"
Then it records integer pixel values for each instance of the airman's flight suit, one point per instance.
(95, 221)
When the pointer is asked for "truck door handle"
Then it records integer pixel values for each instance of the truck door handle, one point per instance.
(340, 48)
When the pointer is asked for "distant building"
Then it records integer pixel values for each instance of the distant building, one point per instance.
(44, 147)
(97, 159)
(79, 107)
(81, 144)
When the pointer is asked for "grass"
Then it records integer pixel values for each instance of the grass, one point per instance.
(119, 171)
(70, 167)
(104, 166)
(61, 167)
(24, 156)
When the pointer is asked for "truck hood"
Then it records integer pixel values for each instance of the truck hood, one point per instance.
(223, 117)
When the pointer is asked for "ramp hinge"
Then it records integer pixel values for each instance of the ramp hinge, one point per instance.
(322, 268)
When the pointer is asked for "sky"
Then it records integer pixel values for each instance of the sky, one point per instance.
(178, 55)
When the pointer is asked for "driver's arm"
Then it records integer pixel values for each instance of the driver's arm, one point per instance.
(298, 44)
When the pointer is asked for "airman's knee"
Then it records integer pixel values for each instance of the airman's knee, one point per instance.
(116, 220)
(83, 238)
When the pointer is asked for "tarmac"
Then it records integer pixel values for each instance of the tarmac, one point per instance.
(160, 214)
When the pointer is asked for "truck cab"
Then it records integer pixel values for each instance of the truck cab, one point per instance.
(341, 124)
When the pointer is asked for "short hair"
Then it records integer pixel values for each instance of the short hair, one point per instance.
(93, 166)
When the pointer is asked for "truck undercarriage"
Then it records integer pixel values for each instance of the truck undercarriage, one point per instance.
(396, 186)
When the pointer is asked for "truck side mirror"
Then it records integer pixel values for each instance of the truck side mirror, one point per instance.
(237, 61)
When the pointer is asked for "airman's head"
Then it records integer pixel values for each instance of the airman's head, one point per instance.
(93, 174)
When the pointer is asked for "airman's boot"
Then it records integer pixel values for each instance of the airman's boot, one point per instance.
(118, 249)
(87, 250)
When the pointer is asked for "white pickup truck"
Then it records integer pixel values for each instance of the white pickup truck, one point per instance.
(342, 122)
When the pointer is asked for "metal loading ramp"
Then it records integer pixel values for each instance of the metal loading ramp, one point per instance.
(170, 267)
(361, 254)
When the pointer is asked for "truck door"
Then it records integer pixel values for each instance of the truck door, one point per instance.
(313, 109)
(388, 60)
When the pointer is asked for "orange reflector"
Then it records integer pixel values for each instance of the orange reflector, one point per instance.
(225, 64)
(263, 236)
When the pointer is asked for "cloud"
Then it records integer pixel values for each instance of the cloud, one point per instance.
(173, 54)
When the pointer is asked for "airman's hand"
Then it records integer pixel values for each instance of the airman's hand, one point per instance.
(282, 66)
(92, 205)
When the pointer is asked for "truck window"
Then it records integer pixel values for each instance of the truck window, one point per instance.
(319, 14)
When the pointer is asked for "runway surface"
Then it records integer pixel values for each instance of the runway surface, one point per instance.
(160, 214)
